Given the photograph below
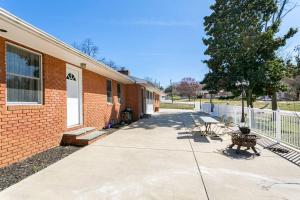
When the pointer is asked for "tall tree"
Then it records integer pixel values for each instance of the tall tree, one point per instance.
(293, 82)
(212, 83)
(242, 42)
(188, 87)
(294, 87)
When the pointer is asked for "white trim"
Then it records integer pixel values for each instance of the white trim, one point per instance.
(19, 75)
(112, 91)
(121, 93)
(41, 77)
(72, 67)
(24, 48)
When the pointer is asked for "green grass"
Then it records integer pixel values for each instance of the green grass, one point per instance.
(283, 105)
(176, 106)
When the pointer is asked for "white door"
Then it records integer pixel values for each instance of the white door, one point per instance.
(73, 97)
(149, 103)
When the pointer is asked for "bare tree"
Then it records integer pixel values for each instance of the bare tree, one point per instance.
(88, 47)
(297, 58)
(284, 8)
(110, 63)
(294, 87)
(188, 87)
(153, 82)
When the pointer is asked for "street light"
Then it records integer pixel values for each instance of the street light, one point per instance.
(200, 97)
(242, 84)
(171, 91)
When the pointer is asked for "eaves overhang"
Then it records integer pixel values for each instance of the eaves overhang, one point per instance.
(26, 34)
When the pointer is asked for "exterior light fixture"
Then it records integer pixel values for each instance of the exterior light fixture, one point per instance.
(83, 65)
(242, 84)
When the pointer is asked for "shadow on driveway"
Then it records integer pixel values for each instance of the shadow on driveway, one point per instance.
(195, 137)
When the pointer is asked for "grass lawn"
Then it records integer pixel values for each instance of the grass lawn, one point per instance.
(176, 106)
(283, 105)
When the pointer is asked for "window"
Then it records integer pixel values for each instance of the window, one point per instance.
(71, 77)
(119, 91)
(109, 91)
(23, 76)
(149, 95)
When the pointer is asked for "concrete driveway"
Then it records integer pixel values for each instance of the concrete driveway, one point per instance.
(157, 159)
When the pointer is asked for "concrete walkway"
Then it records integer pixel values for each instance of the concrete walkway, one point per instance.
(156, 159)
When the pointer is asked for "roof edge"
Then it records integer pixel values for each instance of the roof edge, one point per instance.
(49, 38)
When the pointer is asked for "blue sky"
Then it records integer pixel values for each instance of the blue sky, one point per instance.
(160, 39)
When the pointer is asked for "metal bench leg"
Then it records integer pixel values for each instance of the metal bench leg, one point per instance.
(238, 149)
(256, 153)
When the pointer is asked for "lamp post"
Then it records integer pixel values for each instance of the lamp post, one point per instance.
(171, 91)
(242, 84)
(200, 97)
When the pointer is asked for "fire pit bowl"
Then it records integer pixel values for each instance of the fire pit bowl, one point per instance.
(244, 130)
(243, 140)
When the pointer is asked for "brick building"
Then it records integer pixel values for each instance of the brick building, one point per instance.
(48, 88)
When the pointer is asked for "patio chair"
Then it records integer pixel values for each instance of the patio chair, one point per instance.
(218, 127)
(229, 125)
(196, 125)
(225, 127)
(229, 122)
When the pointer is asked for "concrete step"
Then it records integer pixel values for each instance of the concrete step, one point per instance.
(70, 137)
(79, 132)
(89, 138)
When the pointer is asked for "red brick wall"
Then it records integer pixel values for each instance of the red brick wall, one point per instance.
(27, 130)
(156, 102)
(133, 99)
(98, 113)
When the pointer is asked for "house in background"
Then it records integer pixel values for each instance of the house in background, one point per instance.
(48, 89)
(148, 96)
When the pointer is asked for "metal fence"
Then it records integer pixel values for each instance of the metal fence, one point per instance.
(283, 126)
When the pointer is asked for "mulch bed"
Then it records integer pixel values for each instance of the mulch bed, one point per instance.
(18, 171)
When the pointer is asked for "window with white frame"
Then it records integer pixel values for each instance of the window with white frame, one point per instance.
(109, 91)
(23, 76)
(119, 92)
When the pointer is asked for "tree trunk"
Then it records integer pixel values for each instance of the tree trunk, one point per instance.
(189, 98)
(249, 98)
(298, 95)
(274, 101)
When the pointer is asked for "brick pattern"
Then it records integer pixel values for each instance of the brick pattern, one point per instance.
(27, 130)
(156, 104)
(134, 99)
(98, 112)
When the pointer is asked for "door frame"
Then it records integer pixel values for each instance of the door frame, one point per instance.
(143, 100)
(79, 70)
